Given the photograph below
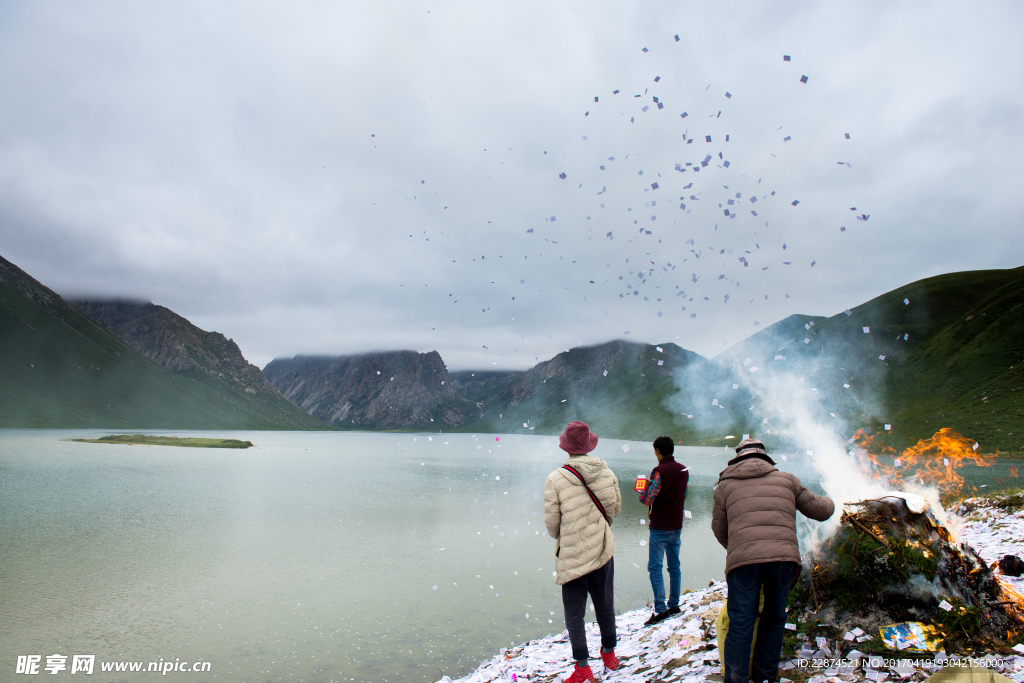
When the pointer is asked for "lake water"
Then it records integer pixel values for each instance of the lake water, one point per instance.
(314, 557)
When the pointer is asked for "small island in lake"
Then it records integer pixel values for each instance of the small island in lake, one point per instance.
(188, 442)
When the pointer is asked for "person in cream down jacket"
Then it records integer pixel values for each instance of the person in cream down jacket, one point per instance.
(584, 561)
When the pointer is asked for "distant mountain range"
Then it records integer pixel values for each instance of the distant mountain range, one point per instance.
(947, 351)
(951, 356)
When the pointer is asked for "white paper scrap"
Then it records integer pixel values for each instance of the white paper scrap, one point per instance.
(945, 605)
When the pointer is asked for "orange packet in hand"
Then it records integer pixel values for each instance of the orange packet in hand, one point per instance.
(641, 483)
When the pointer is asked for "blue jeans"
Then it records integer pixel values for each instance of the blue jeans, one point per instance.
(745, 585)
(664, 543)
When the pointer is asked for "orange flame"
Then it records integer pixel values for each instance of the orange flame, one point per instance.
(932, 462)
(1012, 596)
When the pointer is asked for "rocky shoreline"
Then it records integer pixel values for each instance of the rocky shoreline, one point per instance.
(684, 648)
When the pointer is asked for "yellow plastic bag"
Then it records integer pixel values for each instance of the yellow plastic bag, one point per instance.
(722, 626)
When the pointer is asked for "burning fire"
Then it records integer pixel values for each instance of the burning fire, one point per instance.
(931, 462)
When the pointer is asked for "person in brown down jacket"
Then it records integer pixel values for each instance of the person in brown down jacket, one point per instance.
(754, 519)
(581, 499)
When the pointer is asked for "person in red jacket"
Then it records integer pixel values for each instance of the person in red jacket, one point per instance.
(665, 497)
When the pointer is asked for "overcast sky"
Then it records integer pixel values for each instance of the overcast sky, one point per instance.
(320, 178)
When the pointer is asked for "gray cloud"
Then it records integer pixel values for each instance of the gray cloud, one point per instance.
(275, 173)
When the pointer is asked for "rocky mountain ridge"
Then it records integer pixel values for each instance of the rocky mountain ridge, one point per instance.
(387, 390)
(170, 340)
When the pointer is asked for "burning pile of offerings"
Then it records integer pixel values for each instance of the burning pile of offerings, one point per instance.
(893, 579)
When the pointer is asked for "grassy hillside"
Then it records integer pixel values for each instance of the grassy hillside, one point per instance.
(952, 358)
(967, 374)
(61, 369)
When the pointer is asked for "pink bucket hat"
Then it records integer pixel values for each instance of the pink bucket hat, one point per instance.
(577, 439)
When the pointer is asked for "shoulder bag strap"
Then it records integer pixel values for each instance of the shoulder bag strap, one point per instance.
(589, 492)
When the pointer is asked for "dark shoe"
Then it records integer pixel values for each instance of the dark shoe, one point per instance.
(672, 611)
(656, 618)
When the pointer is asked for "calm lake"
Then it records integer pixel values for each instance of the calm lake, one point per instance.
(314, 557)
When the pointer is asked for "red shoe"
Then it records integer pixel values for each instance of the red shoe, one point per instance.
(611, 662)
(581, 674)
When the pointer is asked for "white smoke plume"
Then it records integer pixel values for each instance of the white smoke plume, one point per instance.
(802, 427)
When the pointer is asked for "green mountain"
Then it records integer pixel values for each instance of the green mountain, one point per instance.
(622, 389)
(61, 369)
(947, 351)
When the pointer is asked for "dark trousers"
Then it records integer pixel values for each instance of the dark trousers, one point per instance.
(745, 586)
(598, 584)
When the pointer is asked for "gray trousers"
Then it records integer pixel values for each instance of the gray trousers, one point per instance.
(598, 584)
